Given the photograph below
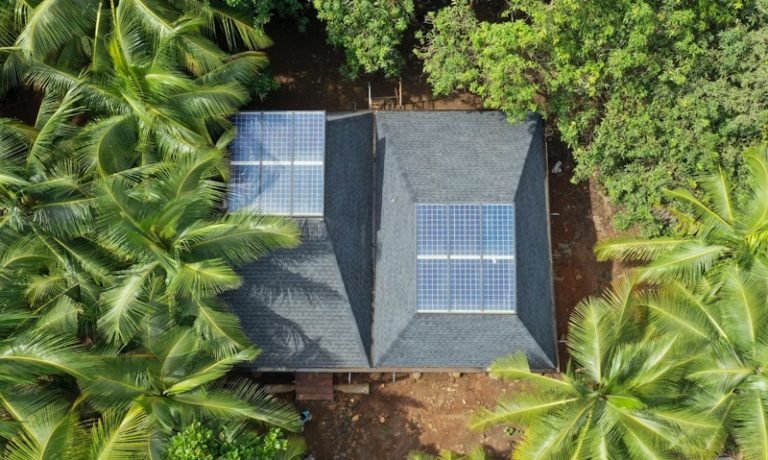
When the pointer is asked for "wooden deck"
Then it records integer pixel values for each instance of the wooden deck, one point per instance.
(314, 386)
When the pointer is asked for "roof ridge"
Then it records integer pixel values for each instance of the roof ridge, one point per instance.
(383, 357)
(399, 168)
(340, 278)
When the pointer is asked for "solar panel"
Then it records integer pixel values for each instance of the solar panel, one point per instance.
(432, 279)
(278, 163)
(465, 258)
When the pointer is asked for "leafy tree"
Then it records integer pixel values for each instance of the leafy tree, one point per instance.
(648, 94)
(264, 10)
(620, 397)
(370, 32)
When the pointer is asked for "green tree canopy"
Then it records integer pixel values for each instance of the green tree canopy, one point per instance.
(369, 31)
(649, 94)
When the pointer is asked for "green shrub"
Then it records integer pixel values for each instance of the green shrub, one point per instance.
(199, 442)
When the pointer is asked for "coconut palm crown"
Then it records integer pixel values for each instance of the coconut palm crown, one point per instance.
(619, 398)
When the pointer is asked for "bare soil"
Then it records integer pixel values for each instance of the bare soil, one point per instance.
(399, 417)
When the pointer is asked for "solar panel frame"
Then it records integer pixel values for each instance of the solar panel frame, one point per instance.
(476, 243)
(288, 148)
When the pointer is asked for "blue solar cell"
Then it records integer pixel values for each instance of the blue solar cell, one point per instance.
(244, 186)
(310, 136)
(465, 257)
(466, 285)
(288, 151)
(498, 229)
(498, 286)
(276, 189)
(431, 229)
(308, 190)
(432, 285)
(278, 136)
(247, 144)
(465, 229)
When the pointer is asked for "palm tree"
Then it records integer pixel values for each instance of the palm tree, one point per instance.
(69, 34)
(619, 398)
(113, 239)
(146, 395)
(141, 253)
(723, 325)
(178, 250)
(720, 228)
(51, 270)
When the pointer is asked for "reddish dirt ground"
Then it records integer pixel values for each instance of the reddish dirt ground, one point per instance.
(397, 418)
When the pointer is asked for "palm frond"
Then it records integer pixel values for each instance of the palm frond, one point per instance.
(750, 418)
(221, 329)
(522, 410)
(108, 144)
(589, 334)
(239, 238)
(557, 435)
(236, 27)
(701, 210)
(117, 436)
(123, 306)
(685, 263)
(223, 404)
(637, 249)
(28, 356)
(207, 372)
(743, 306)
(53, 23)
(516, 367)
(47, 435)
(719, 190)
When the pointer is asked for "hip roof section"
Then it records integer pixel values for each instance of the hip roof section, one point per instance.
(455, 157)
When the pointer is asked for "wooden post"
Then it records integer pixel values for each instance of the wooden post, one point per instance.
(370, 99)
(400, 92)
(353, 388)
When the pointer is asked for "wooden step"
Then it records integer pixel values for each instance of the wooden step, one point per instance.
(314, 386)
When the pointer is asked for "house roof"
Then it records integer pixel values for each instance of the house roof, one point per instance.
(462, 340)
(454, 157)
(294, 306)
(444, 158)
(312, 307)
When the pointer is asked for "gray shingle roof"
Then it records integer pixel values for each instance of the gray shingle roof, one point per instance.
(458, 157)
(462, 340)
(311, 307)
(294, 306)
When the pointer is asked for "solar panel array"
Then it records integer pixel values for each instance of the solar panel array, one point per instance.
(278, 163)
(465, 258)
